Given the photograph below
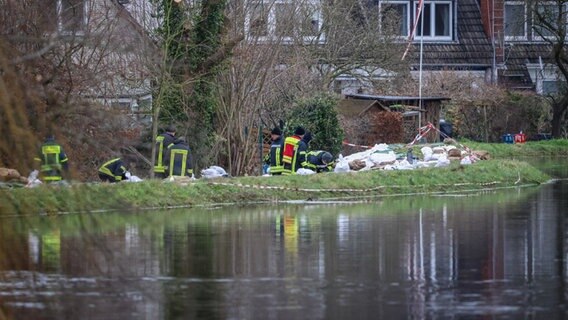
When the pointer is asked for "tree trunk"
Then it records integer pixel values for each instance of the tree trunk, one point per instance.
(155, 117)
(558, 110)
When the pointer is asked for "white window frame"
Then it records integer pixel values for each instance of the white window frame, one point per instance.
(433, 37)
(535, 36)
(541, 73)
(525, 25)
(271, 23)
(407, 18)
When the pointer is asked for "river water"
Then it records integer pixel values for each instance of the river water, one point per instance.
(491, 254)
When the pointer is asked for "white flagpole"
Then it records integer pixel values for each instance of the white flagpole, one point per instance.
(421, 4)
(414, 24)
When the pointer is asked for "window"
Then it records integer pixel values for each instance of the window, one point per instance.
(515, 21)
(285, 20)
(546, 14)
(438, 17)
(259, 20)
(398, 16)
(66, 16)
(72, 15)
(550, 87)
(395, 16)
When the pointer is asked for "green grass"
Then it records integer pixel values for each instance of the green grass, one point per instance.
(499, 172)
(157, 194)
(557, 147)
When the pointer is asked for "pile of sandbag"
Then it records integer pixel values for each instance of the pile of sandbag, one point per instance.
(381, 156)
(8, 175)
(376, 157)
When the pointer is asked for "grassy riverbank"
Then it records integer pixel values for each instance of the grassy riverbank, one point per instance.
(558, 147)
(376, 183)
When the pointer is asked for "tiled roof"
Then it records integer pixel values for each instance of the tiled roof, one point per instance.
(523, 53)
(471, 47)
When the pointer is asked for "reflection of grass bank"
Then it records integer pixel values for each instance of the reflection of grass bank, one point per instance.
(154, 221)
(476, 201)
(148, 194)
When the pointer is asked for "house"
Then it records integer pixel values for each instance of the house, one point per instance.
(522, 52)
(490, 39)
(494, 40)
(95, 49)
(453, 39)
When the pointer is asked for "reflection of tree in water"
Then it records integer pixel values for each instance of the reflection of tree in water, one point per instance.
(196, 264)
(71, 266)
(189, 254)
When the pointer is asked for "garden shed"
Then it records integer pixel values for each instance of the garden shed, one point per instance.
(371, 119)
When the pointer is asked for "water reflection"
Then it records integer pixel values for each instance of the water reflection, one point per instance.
(494, 254)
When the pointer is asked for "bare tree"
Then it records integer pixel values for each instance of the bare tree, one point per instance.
(76, 57)
(292, 50)
(549, 22)
(359, 41)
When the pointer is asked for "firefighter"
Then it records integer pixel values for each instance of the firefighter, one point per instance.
(274, 157)
(163, 141)
(113, 171)
(319, 161)
(294, 152)
(178, 159)
(52, 160)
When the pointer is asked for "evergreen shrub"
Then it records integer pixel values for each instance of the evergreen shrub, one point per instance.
(318, 115)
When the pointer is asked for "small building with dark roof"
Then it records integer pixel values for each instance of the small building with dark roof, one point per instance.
(371, 119)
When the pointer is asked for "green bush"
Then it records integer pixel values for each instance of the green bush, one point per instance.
(318, 115)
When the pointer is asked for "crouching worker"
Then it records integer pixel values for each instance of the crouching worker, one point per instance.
(113, 171)
(319, 161)
(178, 159)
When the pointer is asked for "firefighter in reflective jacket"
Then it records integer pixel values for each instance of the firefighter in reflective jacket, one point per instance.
(294, 152)
(163, 141)
(274, 157)
(53, 161)
(178, 159)
(319, 161)
(113, 171)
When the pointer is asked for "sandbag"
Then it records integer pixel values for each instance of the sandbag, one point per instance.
(213, 172)
(342, 165)
(379, 158)
(427, 153)
(7, 174)
(304, 171)
(357, 164)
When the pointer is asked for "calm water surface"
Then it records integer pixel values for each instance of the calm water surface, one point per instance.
(496, 254)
